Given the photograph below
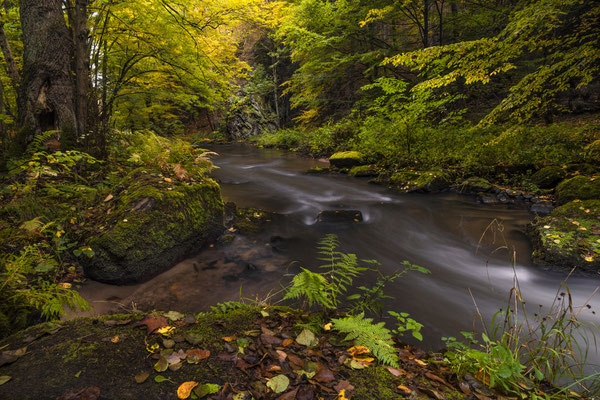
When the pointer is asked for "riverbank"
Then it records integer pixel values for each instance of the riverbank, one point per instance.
(235, 352)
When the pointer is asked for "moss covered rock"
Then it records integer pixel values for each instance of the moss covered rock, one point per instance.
(579, 187)
(153, 225)
(569, 236)
(548, 177)
(475, 184)
(420, 181)
(366, 171)
(346, 159)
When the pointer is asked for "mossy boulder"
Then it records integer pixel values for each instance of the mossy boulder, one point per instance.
(154, 224)
(569, 236)
(579, 187)
(548, 177)
(346, 159)
(420, 181)
(364, 171)
(475, 184)
(592, 152)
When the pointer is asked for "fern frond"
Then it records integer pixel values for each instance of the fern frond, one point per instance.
(312, 286)
(376, 337)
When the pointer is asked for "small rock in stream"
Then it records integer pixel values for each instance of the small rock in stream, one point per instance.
(340, 216)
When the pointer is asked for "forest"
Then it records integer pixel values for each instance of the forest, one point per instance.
(129, 130)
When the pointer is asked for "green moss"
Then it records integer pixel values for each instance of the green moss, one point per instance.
(376, 381)
(592, 152)
(475, 184)
(579, 187)
(363, 171)
(548, 177)
(420, 181)
(152, 227)
(568, 236)
(346, 159)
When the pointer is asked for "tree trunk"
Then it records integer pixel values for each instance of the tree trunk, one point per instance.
(47, 86)
(82, 65)
(425, 24)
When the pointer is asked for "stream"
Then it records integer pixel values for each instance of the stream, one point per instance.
(467, 247)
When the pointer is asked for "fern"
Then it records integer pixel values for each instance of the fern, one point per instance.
(313, 287)
(343, 268)
(376, 337)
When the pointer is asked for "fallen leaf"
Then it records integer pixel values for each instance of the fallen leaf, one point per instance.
(185, 389)
(281, 355)
(279, 383)
(356, 350)
(108, 198)
(4, 379)
(142, 376)
(165, 330)
(274, 368)
(206, 389)
(287, 342)
(344, 385)
(112, 322)
(324, 375)
(342, 395)
(404, 389)
(245, 395)
(161, 365)
(270, 339)
(168, 343)
(10, 356)
(198, 353)
(229, 338)
(160, 378)
(307, 338)
(589, 258)
(193, 338)
(396, 371)
(168, 180)
(328, 326)
(420, 362)
(180, 172)
(153, 323)
(174, 315)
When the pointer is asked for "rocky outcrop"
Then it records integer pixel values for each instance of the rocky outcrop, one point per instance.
(569, 236)
(420, 181)
(248, 117)
(153, 224)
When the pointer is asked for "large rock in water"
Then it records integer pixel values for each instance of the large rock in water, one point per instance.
(548, 177)
(151, 227)
(569, 236)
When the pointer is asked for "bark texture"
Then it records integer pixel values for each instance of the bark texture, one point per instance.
(48, 87)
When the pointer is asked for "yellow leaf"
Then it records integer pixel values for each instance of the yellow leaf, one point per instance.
(420, 362)
(168, 180)
(355, 350)
(575, 223)
(327, 327)
(65, 285)
(589, 258)
(342, 395)
(185, 389)
(229, 338)
(166, 330)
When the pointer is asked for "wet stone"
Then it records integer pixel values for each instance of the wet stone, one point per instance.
(340, 216)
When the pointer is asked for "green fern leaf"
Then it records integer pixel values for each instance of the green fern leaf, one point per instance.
(376, 337)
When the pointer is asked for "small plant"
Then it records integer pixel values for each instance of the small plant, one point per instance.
(406, 324)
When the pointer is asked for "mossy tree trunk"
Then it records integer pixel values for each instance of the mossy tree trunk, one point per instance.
(47, 86)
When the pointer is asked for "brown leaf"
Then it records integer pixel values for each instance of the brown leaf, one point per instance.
(466, 389)
(292, 395)
(296, 361)
(482, 396)
(281, 355)
(229, 338)
(396, 371)
(227, 357)
(109, 198)
(153, 323)
(142, 376)
(270, 339)
(344, 385)
(199, 353)
(88, 393)
(437, 378)
(404, 389)
(324, 375)
(287, 342)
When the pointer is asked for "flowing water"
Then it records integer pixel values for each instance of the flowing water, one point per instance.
(449, 234)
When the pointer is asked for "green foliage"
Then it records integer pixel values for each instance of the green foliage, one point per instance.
(310, 286)
(364, 332)
(406, 324)
(226, 306)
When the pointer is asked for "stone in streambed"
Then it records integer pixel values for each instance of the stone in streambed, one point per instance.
(475, 184)
(340, 216)
(364, 171)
